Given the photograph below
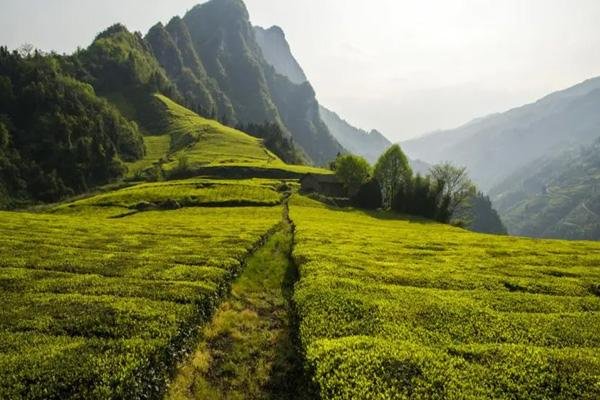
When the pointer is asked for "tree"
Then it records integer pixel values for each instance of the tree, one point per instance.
(368, 196)
(352, 171)
(392, 172)
(455, 185)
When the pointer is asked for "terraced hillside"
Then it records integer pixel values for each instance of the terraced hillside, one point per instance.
(394, 308)
(97, 307)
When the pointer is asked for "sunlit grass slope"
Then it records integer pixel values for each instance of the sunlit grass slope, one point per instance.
(100, 308)
(207, 143)
(396, 308)
(157, 148)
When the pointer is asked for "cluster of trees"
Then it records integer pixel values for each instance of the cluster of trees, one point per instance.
(57, 137)
(391, 184)
(275, 140)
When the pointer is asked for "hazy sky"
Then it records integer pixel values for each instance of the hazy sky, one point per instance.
(403, 67)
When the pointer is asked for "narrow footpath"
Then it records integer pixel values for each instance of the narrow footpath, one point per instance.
(249, 351)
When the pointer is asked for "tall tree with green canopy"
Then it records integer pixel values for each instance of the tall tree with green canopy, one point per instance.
(352, 171)
(456, 184)
(392, 171)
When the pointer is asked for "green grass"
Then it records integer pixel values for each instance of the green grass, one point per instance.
(101, 308)
(394, 308)
(206, 144)
(187, 193)
(157, 148)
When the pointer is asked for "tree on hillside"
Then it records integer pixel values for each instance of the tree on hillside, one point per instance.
(479, 215)
(456, 185)
(368, 195)
(392, 172)
(424, 197)
(352, 171)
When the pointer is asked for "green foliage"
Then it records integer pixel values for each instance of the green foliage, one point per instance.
(479, 215)
(276, 141)
(352, 171)
(411, 309)
(454, 184)
(368, 195)
(57, 137)
(119, 59)
(423, 197)
(100, 308)
(392, 171)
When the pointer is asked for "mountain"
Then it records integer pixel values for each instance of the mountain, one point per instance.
(225, 41)
(367, 144)
(276, 51)
(495, 147)
(557, 197)
(121, 67)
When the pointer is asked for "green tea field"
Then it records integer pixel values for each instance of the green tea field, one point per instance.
(102, 308)
(397, 308)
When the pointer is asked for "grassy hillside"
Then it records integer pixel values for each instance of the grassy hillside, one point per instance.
(197, 145)
(101, 308)
(206, 142)
(394, 308)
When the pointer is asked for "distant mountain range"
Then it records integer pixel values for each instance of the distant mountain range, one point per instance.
(495, 147)
(530, 161)
(557, 196)
(277, 52)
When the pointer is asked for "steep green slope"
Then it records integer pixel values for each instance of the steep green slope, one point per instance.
(57, 137)
(394, 308)
(207, 142)
(554, 197)
(198, 146)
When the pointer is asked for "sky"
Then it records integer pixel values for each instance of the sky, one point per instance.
(403, 67)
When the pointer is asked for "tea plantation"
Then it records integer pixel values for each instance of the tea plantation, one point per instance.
(98, 308)
(205, 143)
(398, 308)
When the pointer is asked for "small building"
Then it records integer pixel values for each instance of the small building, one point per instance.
(326, 185)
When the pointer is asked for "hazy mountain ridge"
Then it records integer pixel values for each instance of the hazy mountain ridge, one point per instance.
(556, 196)
(277, 52)
(496, 146)
(367, 144)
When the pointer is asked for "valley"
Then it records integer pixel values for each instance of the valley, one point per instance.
(182, 219)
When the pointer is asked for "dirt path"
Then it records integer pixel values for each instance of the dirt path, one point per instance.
(248, 351)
